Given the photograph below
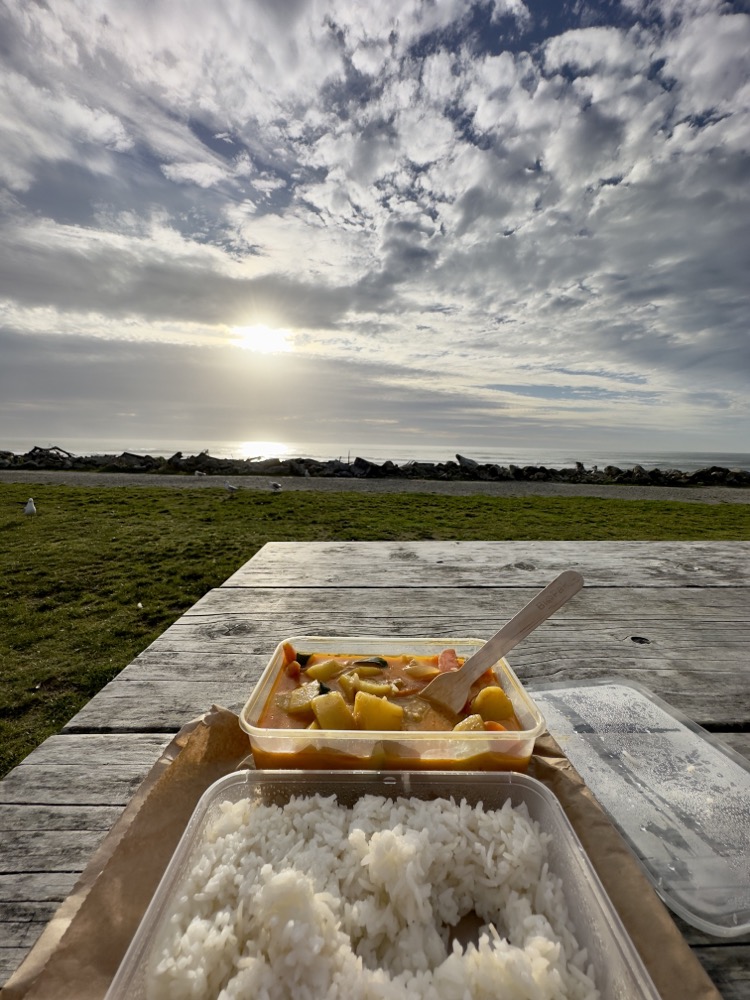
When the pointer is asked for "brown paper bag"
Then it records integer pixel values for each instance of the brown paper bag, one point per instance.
(79, 952)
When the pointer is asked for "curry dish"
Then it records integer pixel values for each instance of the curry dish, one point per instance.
(353, 692)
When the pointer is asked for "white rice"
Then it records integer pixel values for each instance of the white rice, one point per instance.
(315, 900)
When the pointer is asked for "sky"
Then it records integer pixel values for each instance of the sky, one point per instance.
(505, 223)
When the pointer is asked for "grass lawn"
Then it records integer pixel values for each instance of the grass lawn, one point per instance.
(99, 573)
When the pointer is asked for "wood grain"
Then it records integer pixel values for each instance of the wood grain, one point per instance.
(729, 968)
(504, 564)
(166, 704)
(674, 617)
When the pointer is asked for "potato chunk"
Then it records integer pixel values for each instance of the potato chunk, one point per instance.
(373, 687)
(493, 704)
(332, 712)
(371, 712)
(298, 702)
(421, 671)
(323, 671)
(347, 684)
(471, 724)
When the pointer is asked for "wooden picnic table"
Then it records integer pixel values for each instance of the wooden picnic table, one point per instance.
(689, 600)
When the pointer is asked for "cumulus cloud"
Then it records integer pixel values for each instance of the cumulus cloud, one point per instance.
(461, 185)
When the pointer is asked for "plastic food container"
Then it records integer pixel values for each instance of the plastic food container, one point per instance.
(679, 796)
(380, 750)
(618, 969)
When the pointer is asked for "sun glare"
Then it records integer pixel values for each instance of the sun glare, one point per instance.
(264, 449)
(261, 339)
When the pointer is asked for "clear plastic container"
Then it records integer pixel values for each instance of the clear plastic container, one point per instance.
(618, 969)
(353, 750)
(679, 796)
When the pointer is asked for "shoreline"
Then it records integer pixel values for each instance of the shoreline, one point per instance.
(463, 469)
(459, 487)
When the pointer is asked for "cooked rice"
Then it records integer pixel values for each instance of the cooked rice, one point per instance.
(314, 900)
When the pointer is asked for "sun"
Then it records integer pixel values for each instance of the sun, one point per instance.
(261, 339)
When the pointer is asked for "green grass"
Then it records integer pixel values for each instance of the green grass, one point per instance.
(98, 574)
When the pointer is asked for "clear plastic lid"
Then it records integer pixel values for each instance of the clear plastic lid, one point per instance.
(679, 796)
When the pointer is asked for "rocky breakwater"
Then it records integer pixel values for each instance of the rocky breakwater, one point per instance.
(462, 468)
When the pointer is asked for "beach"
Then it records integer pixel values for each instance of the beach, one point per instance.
(502, 488)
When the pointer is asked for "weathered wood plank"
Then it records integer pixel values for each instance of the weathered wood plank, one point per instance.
(27, 902)
(558, 657)
(729, 968)
(217, 659)
(47, 850)
(169, 705)
(88, 770)
(71, 784)
(189, 665)
(11, 957)
(671, 625)
(134, 750)
(21, 927)
(725, 703)
(696, 645)
(737, 741)
(498, 564)
(27, 818)
(35, 888)
(728, 603)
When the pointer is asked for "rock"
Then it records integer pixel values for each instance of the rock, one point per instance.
(467, 464)
(362, 468)
(712, 476)
(536, 473)
(462, 469)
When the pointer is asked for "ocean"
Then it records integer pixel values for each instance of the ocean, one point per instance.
(400, 453)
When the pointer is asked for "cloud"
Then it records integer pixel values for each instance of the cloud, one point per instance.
(482, 195)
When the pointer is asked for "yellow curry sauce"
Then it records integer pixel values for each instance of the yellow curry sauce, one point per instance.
(360, 693)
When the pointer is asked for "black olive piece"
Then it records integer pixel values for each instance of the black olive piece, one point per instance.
(302, 658)
(323, 688)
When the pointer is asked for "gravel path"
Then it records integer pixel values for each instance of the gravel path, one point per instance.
(510, 488)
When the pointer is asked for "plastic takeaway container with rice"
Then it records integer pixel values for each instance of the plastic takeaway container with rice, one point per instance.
(618, 969)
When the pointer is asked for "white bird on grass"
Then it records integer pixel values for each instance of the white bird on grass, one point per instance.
(276, 487)
(29, 506)
(231, 489)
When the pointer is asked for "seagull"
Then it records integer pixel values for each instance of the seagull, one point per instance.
(276, 487)
(232, 489)
(29, 506)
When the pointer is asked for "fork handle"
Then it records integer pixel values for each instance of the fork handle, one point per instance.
(539, 608)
